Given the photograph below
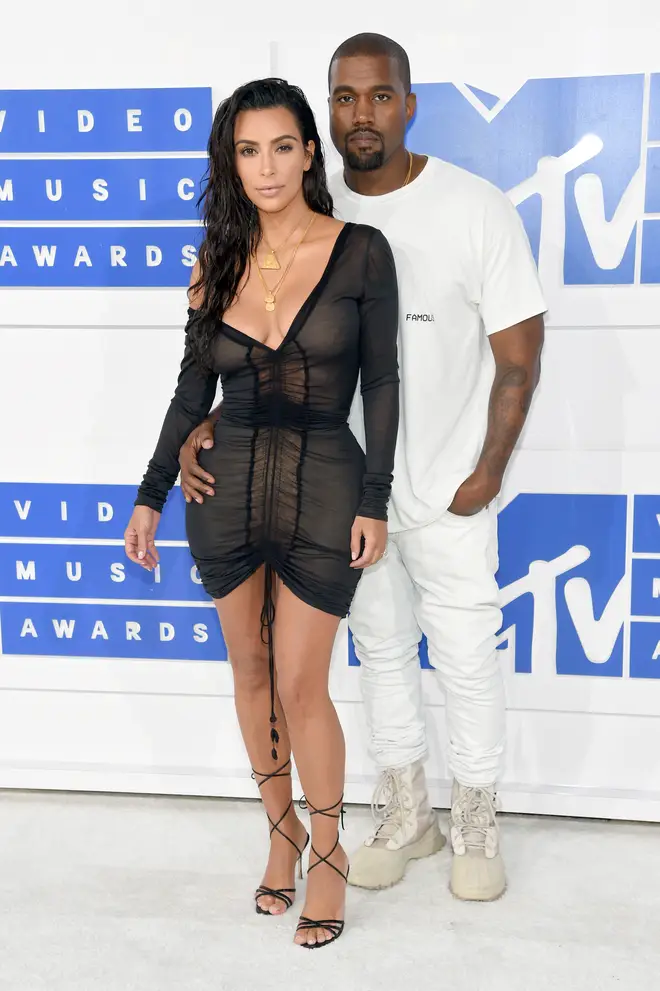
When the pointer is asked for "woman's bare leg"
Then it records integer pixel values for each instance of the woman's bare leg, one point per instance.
(304, 639)
(240, 618)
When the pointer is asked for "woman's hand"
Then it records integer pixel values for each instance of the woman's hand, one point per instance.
(140, 535)
(374, 533)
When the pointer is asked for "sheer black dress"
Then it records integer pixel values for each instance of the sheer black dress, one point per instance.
(290, 478)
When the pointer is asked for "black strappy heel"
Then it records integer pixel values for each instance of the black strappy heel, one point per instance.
(334, 926)
(283, 894)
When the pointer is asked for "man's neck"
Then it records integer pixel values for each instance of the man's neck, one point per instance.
(391, 176)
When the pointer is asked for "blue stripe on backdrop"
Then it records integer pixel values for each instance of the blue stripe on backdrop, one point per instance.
(97, 121)
(92, 512)
(654, 109)
(123, 189)
(646, 532)
(644, 650)
(645, 598)
(85, 630)
(565, 564)
(109, 257)
(84, 571)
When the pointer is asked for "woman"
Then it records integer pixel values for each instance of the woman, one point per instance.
(287, 306)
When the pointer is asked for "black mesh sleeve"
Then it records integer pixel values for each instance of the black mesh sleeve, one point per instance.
(379, 373)
(192, 400)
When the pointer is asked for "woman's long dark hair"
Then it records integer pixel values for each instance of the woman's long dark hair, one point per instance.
(231, 220)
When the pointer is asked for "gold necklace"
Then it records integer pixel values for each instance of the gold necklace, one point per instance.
(271, 261)
(271, 294)
(410, 168)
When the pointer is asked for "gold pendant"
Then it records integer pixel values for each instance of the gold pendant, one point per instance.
(270, 306)
(271, 262)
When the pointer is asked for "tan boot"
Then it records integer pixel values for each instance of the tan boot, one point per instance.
(406, 828)
(477, 870)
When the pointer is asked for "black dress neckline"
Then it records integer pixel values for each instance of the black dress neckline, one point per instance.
(306, 307)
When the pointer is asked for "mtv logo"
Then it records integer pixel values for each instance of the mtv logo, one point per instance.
(563, 587)
(562, 580)
(569, 153)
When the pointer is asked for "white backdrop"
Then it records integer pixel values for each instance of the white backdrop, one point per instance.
(86, 374)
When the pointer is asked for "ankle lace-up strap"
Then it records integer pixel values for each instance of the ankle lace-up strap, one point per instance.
(278, 773)
(274, 827)
(329, 814)
(304, 803)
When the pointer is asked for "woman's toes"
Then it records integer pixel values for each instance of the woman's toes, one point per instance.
(307, 937)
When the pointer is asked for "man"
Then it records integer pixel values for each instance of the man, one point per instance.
(471, 333)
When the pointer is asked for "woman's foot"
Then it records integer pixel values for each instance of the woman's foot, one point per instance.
(326, 897)
(282, 865)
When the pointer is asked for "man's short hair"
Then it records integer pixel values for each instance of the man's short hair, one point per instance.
(374, 45)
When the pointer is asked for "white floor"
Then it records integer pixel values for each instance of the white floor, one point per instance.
(102, 893)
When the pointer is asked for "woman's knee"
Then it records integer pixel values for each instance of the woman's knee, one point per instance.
(249, 662)
(301, 691)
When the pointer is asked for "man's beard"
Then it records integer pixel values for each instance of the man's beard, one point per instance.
(365, 163)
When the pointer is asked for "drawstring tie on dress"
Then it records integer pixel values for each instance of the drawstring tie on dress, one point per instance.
(267, 620)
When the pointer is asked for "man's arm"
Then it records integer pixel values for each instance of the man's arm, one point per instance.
(195, 482)
(517, 352)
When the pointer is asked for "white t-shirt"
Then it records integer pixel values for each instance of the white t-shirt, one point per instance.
(465, 270)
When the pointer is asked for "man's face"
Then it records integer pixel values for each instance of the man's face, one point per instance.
(369, 110)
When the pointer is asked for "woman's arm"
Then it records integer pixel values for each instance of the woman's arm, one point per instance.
(192, 400)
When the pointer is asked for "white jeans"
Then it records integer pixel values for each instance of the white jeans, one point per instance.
(438, 580)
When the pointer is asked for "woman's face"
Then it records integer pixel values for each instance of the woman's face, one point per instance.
(271, 157)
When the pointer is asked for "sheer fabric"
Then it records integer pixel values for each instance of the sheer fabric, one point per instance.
(290, 476)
